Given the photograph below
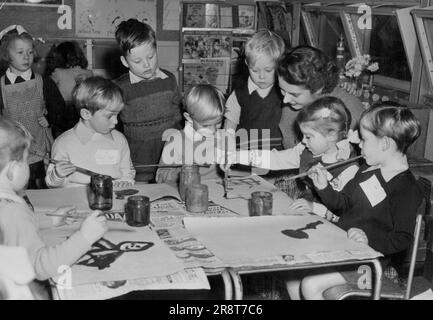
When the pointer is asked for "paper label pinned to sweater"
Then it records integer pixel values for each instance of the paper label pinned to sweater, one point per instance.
(373, 190)
(107, 157)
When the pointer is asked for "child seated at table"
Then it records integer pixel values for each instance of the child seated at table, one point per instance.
(378, 206)
(197, 141)
(19, 224)
(326, 139)
(93, 143)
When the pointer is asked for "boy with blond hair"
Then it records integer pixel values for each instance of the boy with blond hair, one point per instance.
(257, 104)
(93, 143)
(197, 142)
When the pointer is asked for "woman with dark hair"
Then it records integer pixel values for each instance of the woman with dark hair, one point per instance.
(304, 75)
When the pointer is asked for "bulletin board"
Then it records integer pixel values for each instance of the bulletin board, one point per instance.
(99, 19)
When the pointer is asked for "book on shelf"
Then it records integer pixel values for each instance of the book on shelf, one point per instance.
(212, 16)
(246, 16)
(195, 15)
(206, 44)
(226, 16)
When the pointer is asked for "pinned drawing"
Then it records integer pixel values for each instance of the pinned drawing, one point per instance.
(104, 252)
(299, 233)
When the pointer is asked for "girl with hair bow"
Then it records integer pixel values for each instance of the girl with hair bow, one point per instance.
(29, 98)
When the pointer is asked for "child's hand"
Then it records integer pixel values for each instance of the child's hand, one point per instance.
(64, 169)
(64, 215)
(94, 227)
(319, 175)
(43, 122)
(357, 235)
(302, 205)
(122, 184)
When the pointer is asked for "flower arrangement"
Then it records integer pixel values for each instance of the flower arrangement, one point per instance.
(358, 65)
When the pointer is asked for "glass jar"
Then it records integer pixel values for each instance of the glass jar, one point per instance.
(197, 198)
(189, 175)
(100, 192)
(137, 211)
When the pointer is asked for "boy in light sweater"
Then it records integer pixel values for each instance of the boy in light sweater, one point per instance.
(93, 143)
(19, 225)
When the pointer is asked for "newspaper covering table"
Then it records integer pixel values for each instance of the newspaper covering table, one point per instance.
(276, 240)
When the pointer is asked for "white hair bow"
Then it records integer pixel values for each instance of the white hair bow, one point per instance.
(343, 146)
(20, 30)
(17, 27)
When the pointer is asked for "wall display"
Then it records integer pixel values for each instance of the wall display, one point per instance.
(99, 19)
(207, 38)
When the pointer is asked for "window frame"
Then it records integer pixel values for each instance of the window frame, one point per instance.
(426, 51)
(361, 45)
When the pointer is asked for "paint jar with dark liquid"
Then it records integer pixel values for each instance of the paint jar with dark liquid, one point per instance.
(197, 198)
(137, 210)
(189, 175)
(100, 192)
(261, 203)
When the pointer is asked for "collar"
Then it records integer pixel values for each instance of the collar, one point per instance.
(85, 134)
(11, 195)
(253, 87)
(391, 171)
(13, 77)
(136, 79)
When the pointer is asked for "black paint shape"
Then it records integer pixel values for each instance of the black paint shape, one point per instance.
(298, 233)
(104, 252)
(121, 194)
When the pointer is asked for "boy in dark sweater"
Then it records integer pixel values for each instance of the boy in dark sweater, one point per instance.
(378, 207)
(151, 95)
(257, 103)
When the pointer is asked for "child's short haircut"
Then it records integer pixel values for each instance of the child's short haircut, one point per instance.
(65, 55)
(133, 33)
(96, 93)
(309, 67)
(204, 102)
(327, 115)
(390, 119)
(14, 140)
(264, 42)
(10, 37)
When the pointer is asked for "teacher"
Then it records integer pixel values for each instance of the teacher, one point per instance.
(305, 74)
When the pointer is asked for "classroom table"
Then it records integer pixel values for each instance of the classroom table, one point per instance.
(46, 200)
(235, 271)
(238, 205)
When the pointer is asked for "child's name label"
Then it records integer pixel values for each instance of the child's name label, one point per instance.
(107, 157)
(373, 190)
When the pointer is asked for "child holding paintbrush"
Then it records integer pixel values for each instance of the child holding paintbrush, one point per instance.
(197, 142)
(18, 223)
(326, 139)
(93, 143)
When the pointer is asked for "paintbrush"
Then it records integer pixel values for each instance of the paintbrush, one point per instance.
(226, 173)
(167, 165)
(78, 169)
(331, 166)
(78, 216)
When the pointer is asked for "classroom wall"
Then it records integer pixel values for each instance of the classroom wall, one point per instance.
(42, 22)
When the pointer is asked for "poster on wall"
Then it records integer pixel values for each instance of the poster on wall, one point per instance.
(99, 19)
(215, 71)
